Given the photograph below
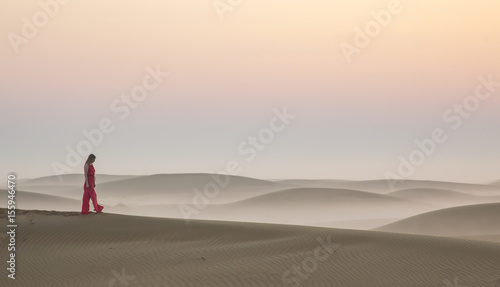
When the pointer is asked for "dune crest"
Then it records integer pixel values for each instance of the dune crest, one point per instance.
(472, 221)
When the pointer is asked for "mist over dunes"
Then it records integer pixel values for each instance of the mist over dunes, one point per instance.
(195, 229)
(237, 198)
(470, 220)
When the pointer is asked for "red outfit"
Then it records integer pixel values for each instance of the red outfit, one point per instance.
(89, 193)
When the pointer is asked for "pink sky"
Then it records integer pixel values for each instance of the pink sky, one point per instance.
(227, 76)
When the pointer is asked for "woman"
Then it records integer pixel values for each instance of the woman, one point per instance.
(88, 187)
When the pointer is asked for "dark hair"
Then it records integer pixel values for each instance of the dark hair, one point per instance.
(91, 157)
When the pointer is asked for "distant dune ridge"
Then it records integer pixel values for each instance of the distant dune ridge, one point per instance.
(468, 221)
(307, 205)
(385, 186)
(64, 248)
(442, 197)
(68, 249)
(171, 188)
(71, 179)
(32, 200)
(333, 203)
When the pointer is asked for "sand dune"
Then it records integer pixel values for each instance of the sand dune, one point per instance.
(473, 189)
(470, 188)
(39, 201)
(174, 188)
(384, 186)
(33, 200)
(67, 249)
(483, 237)
(252, 200)
(162, 183)
(179, 188)
(48, 188)
(471, 220)
(328, 196)
(18, 180)
(360, 224)
(298, 206)
(374, 186)
(443, 197)
(74, 179)
(69, 185)
(315, 204)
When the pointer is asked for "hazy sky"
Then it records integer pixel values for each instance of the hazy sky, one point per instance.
(230, 70)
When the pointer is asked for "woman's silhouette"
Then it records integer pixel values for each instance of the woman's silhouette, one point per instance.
(88, 187)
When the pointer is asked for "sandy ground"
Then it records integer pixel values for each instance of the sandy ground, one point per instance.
(463, 221)
(249, 232)
(69, 249)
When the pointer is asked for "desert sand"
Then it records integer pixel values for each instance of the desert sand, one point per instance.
(467, 221)
(253, 232)
(68, 249)
(322, 203)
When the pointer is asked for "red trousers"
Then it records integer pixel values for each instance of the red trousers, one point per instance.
(89, 193)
